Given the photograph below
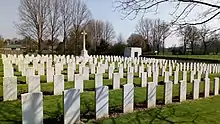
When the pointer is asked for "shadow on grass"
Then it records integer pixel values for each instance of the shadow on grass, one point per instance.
(153, 115)
(58, 116)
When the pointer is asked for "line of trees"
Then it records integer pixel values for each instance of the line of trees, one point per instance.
(188, 15)
(57, 25)
(50, 20)
(198, 40)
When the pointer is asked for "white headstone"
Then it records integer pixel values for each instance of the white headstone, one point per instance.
(130, 77)
(128, 98)
(176, 77)
(41, 69)
(116, 81)
(78, 82)
(151, 95)
(71, 106)
(196, 89)
(207, 87)
(58, 84)
(33, 83)
(30, 71)
(98, 80)
(110, 72)
(8, 71)
(185, 76)
(50, 74)
(32, 108)
(70, 72)
(101, 102)
(9, 88)
(182, 92)
(144, 79)
(216, 86)
(166, 76)
(168, 89)
(86, 73)
(191, 76)
(121, 72)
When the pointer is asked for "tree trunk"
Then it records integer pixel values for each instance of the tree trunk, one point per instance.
(158, 48)
(205, 49)
(64, 42)
(184, 48)
(39, 46)
(205, 46)
(192, 47)
(163, 46)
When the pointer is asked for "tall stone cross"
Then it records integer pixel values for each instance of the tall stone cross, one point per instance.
(84, 39)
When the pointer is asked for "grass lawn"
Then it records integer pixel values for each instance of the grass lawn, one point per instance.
(199, 111)
(10, 112)
(203, 111)
(208, 57)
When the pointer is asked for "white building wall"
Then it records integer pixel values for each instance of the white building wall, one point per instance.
(130, 51)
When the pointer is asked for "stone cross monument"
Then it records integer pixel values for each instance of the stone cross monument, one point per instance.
(84, 52)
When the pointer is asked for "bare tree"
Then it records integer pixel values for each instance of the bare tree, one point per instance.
(80, 18)
(98, 30)
(54, 22)
(95, 31)
(144, 27)
(192, 36)
(120, 38)
(214, 41)
(33, 15)
(204, 32)
(66, 19)
(160, 31)
(208, 10)
(165, 32)
(136, 40)
(108, 32)
(154, 31)
(182, 32)
(1, 41)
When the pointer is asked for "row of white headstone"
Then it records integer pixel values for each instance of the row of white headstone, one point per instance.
(103, 61)
(33, 81)
(10, 83)
(101, 68)
(32, 103)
